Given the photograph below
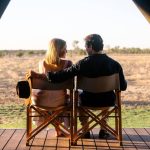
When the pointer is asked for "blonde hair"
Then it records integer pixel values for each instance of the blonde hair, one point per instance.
(54, 51)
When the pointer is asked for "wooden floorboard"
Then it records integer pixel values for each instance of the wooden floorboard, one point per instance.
(136, 139)
(133, 139)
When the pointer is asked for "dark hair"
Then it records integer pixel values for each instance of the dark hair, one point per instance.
(95, 41)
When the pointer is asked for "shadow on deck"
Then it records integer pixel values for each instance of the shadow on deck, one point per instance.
(15, 139)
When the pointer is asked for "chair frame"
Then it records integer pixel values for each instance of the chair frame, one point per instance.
(108, 83)
(43, 112)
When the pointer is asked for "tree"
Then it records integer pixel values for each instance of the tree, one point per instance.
(75, 45)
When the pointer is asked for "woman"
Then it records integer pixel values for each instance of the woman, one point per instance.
(54, 61)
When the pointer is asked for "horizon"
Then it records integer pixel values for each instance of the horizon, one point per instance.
(31, 24)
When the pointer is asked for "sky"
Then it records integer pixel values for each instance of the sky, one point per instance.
(31, 24)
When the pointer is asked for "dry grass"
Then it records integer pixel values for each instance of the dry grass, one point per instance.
(136, 69)
(135, 66)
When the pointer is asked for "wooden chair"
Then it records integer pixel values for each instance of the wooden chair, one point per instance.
(52, 116)
(97, 85)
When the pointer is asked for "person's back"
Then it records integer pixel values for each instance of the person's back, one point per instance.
(98, 65)
(94, 66)
(46, 98)
(54, 61)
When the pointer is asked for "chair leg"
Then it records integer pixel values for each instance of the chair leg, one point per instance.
(28, 124)
(74, 119)
(29, 121)
(120, 127)
(74, 143)
(120, 132)
(71, 127)
(27, 143)
(120, 143)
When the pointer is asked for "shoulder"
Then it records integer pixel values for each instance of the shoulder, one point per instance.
(112, 60)
(66, 63)
(114, 63)
(84, 60)
(41, 62)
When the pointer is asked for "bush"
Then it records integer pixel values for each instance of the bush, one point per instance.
(20, 54)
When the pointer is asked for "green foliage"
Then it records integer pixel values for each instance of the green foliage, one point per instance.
(31, 52)
(125, 50)
(3, 53)
(137, 117)
(36, 52)
(76, 51)
(20, 54)
(14, 116)
(75, 45)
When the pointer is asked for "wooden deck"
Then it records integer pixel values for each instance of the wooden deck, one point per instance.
(133, 138)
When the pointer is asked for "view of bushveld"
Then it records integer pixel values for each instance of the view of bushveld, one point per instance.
(135, 100)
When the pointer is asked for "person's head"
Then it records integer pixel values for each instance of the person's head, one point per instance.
(56, 50)
(93, 42)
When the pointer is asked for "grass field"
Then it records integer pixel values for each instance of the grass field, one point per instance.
(14, 116)
(135, 100)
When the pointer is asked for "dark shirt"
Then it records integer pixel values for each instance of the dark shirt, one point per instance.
(93, 66)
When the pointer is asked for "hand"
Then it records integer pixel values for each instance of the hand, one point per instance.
(30, 74)
(33, 74)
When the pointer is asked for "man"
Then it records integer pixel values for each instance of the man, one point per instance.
(94, 65)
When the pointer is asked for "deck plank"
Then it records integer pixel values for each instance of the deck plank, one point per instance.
(148, 130)
(88, 143)
(99, 143)
(63, 143)
(22, 144)
(144, 135)
(127, 143)
(136, 139)
(79, 145)
(5, 137)
(1, 131)
(113, 143)
(51, 140)
(15, 139)
(39, 140)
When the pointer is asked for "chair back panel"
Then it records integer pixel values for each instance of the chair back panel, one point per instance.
(99, 84)
(46, 85)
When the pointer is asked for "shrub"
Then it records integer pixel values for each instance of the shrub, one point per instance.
(20, 54)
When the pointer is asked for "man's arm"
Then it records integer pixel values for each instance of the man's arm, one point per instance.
(34, 74)
(64, 74)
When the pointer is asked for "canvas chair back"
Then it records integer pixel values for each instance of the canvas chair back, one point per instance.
(46, 85)
(99, 84)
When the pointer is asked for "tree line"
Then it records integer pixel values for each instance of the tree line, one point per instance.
(76, 51)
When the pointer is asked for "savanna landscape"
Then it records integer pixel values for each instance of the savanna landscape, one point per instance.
(135, 100)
